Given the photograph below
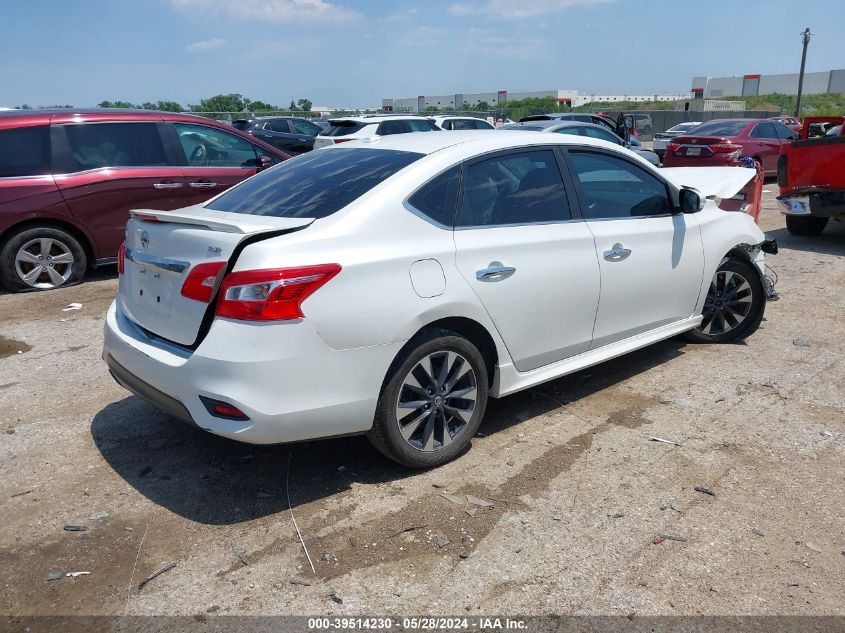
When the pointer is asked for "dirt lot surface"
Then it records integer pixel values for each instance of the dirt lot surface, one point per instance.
(580, 495)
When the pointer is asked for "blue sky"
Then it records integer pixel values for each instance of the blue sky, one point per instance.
(354, 52)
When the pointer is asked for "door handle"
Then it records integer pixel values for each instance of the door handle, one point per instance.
(203, 185)
(167, 185)
(494, 272)
(617, 253)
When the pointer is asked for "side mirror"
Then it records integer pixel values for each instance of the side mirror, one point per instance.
(690, 200)
(266, 162)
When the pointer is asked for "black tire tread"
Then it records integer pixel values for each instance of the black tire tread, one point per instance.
(8, 277)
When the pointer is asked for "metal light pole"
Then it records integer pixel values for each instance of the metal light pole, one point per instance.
(805, 37)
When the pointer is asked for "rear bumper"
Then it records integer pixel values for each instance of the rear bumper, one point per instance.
(716, 160)
(828, 205)
(282, 376)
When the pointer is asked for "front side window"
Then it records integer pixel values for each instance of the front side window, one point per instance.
(313, 185)
(438, 197)
(574, 130)
(210, 147)
(614, 188)
(25, 151)
(278, 126)
(469, 124)
(522, 188)
(96, 145)
(764, 130)
(422, 125)
(305, 127)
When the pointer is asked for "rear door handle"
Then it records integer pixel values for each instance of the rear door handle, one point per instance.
(617, 254)
(167, 185)
(494, 272)
(203, 185)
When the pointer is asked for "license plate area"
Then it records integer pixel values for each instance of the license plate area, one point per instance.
(151, 290)
(693, 151)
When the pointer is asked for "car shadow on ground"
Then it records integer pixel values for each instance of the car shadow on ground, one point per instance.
(212, 480)
(830, 242)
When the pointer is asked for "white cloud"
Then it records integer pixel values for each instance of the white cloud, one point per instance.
(271, 10)
(206, 44)
(510, 9)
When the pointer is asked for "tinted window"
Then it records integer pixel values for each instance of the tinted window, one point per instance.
(524, 127)
(437, 198)
(95, 145)
(241, 124)
(210, 147)
(764, 130)
(422, 125)
(784, 132)
(514, 189)
(313, 185)
(470, 124)
(280, 125)
(571, 129)
(343, 128)
(392, 127)
(614, 188)
(721, 128)
(304, 127)
(597, 132)
(25, 151)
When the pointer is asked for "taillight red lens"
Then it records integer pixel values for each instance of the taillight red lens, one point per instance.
(343, 140)
(201, 281)
(671, 148)
(724, 148)
(121, 259)
(271, 295)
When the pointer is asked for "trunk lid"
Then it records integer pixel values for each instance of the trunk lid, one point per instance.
(699, 146)
(162, 247)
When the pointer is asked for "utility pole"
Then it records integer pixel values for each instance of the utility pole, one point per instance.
(805, 37)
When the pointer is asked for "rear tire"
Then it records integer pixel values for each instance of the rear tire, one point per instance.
(41, 258)
(805, 224)
(734, 305)
(432, 401)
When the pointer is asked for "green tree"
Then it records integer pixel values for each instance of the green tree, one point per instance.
(169, 106)
(25, 106)
(261, 105)
(292, 106)
(233, 102)
(305, 104)
(117, 104)
(483, 105)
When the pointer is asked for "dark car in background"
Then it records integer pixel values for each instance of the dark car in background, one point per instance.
(293, 135)
(68, 179)
(723, 142)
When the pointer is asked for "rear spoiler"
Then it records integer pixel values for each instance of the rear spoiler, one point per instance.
(221, 220)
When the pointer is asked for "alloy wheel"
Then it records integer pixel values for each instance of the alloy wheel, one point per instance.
(728, 303)
(44, 263)
(436, 401)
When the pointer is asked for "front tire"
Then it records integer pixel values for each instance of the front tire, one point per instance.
(41, 258)
(432, 401)
(734, 306)
(805, 224)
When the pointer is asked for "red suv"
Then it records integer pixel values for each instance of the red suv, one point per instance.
(722, 142)
(68, 179)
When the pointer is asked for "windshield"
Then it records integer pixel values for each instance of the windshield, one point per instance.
(314, 185)
(721, 128)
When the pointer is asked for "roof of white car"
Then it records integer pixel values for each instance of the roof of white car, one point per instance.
(376, 118)
(474, 141)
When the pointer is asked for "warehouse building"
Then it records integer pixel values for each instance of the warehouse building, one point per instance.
(470, 101)
(752, 85)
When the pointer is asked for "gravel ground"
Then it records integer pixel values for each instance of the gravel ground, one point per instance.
(580, 496)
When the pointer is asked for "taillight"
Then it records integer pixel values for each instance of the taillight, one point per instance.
(200, 282)
(121, 259)
(342, 140)
(270, 295)
(671, 148)
(724, 148)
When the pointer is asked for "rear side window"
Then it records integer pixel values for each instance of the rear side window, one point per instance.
(470, 124)
(313, 185)
(422, 125)
(386, 128)
(280, 125)
(25, 151)
(95, 145)
(437, 198)
(304, 127)
(784, 132)
(614, 188)
(343, 128)
(520, 188)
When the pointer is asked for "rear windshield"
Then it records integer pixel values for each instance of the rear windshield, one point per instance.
(241, 124)
(525, 128)
(314, 185)
(721, 128)
(343, 128)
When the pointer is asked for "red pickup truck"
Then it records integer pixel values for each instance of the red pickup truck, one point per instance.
(811, 176)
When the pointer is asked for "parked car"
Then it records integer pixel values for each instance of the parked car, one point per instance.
(69, 177)
(341, 298)
(789, 121)
(460, 123)
(662, 138)
(367, 126)
(811, 178)
(292, 135)
(724, 141)
(582, 129)
(595, 119)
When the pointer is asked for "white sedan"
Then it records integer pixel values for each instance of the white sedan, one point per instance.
(391, 287)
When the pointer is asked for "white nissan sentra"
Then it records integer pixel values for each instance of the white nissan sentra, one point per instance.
(391, 287)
